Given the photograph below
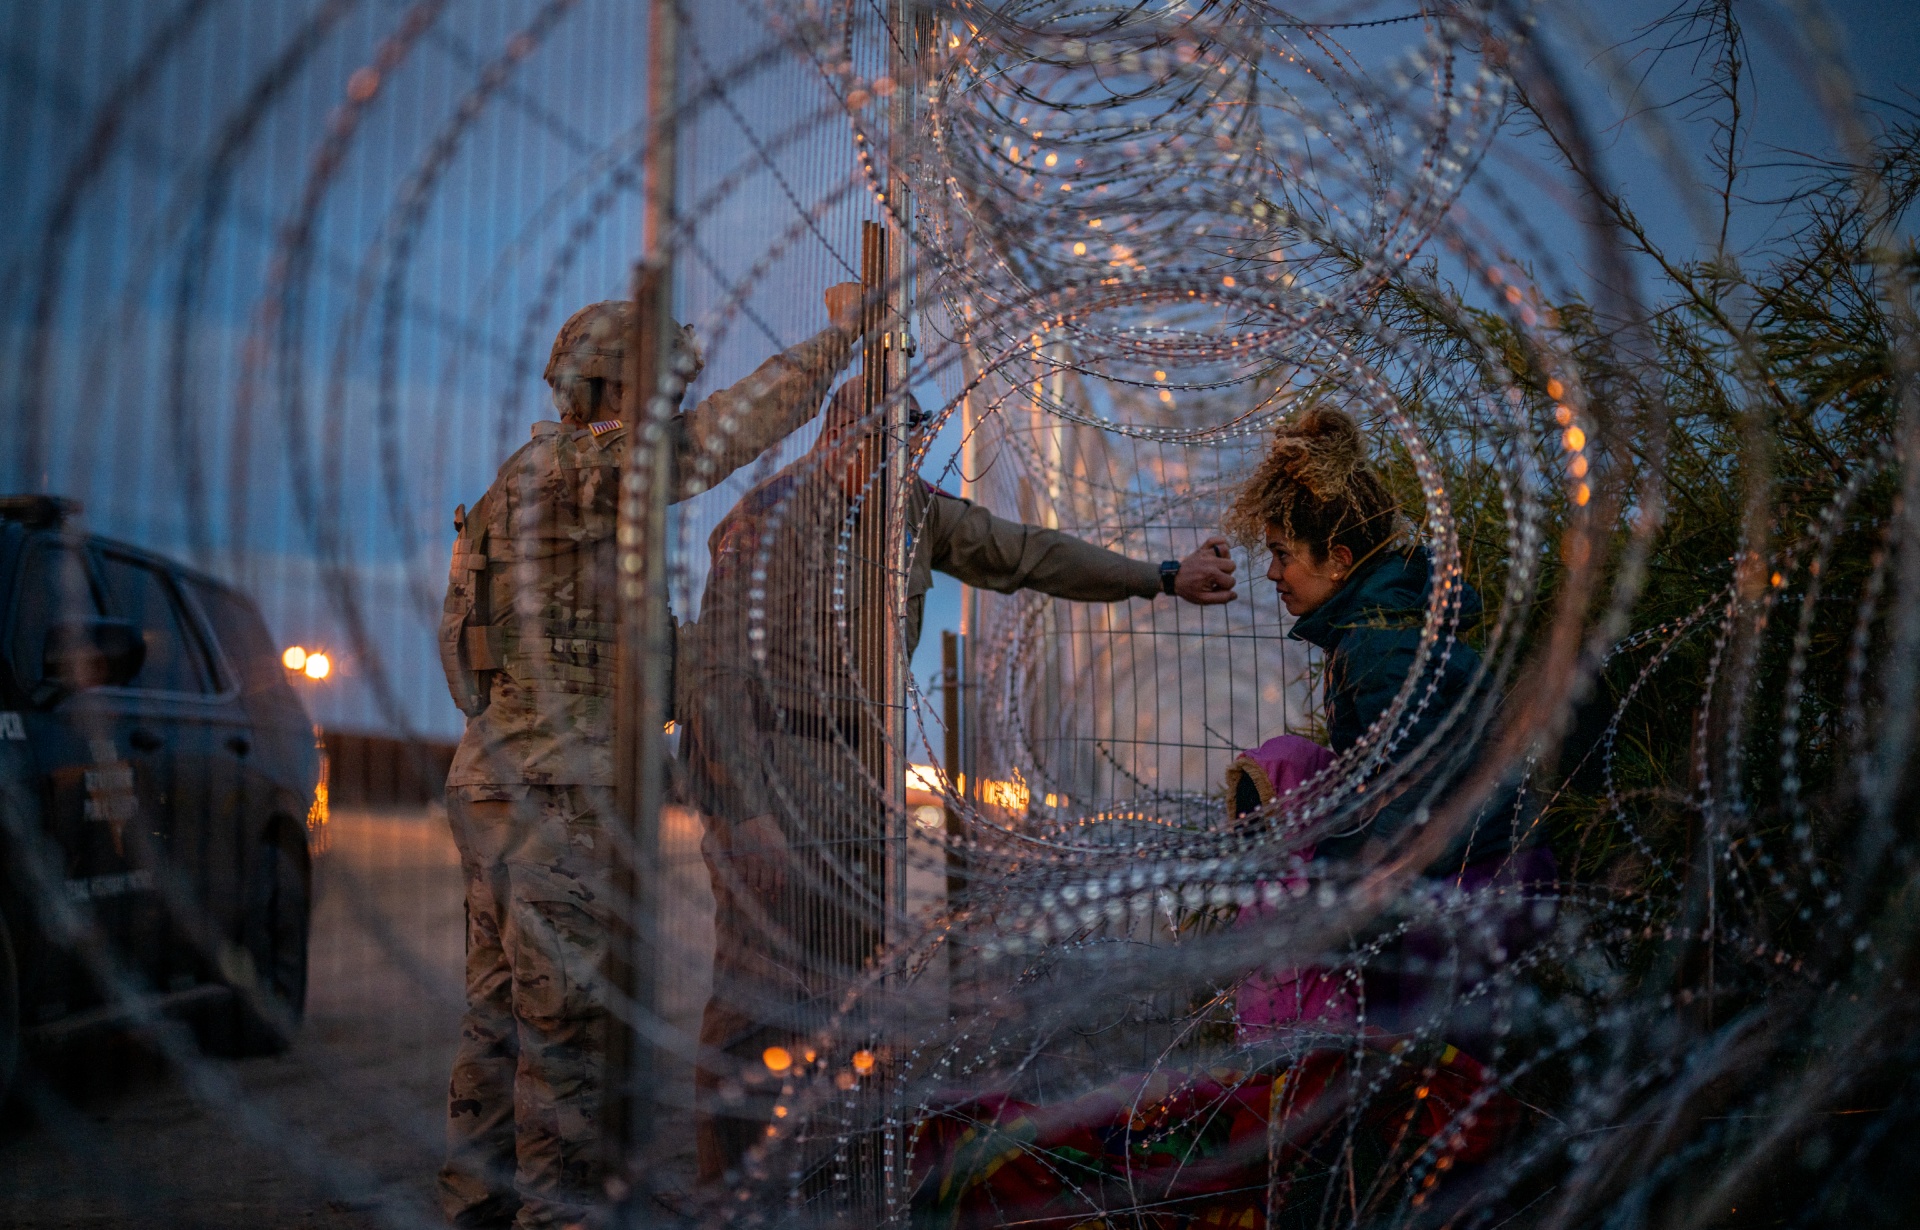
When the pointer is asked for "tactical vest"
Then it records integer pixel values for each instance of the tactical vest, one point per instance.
(530, 591)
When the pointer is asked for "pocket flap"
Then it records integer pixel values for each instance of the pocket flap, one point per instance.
(486, 648)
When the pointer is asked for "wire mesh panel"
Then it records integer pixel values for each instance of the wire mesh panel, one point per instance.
(658, 615)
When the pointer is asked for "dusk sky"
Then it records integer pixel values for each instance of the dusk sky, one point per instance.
(429, 366)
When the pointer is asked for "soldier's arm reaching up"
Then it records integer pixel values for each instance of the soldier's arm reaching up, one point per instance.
(728, 429)
(731, 427)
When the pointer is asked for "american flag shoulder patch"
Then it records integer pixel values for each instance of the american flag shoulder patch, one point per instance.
(602, 428)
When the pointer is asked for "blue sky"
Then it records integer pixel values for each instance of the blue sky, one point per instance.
(527, 223)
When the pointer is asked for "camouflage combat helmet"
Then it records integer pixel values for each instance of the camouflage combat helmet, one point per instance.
(592, 345)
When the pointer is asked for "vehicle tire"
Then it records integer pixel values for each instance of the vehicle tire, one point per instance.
(9, 1010)
(267, 966)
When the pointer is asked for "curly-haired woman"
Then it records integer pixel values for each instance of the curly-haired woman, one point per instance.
(1348, 567)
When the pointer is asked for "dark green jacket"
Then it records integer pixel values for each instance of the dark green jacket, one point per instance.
(1370, 632)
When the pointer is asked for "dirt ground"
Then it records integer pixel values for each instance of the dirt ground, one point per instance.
(343, 1131)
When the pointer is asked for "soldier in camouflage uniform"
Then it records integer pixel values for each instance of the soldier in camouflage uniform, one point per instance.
(527, 641)
(775, 730)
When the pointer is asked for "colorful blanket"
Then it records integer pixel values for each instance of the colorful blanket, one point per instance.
(1186, 1150)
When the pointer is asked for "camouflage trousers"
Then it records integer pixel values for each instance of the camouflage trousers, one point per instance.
(524, 1102)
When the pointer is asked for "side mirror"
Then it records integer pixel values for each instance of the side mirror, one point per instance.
(93, 653)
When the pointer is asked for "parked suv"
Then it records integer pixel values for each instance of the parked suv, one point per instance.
(162, 798)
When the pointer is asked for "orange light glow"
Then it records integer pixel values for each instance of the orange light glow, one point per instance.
(1011, 795)
(776, 1058)
(318, 666)
(294, 658)
(320, 811)
(863, 1062)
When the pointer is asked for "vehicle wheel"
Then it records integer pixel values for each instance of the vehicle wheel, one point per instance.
(9, 1011)
(267, 967)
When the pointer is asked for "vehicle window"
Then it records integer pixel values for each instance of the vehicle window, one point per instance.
(54, 588)
(143, 596)
(243, 637)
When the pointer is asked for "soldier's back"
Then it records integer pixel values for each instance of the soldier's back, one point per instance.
(540, 549)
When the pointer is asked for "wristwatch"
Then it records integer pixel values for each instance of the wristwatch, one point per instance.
(1169, 569)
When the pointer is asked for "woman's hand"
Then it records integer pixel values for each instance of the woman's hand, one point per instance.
(1206, 577)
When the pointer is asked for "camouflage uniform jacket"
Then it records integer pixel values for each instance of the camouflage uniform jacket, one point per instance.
(528, 630)
(774, 632)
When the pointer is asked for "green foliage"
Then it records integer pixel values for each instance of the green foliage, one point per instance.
(1759, 391)
(1710, 804)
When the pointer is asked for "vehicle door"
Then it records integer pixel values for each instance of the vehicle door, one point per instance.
(187, 734)
(262, 766)
(87, 855)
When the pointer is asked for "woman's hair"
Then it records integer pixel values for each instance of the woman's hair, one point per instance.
(1317, 486)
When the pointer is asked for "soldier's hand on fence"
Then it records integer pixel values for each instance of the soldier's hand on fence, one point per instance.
(1206, 577)
(843, 305)
(760, 855)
